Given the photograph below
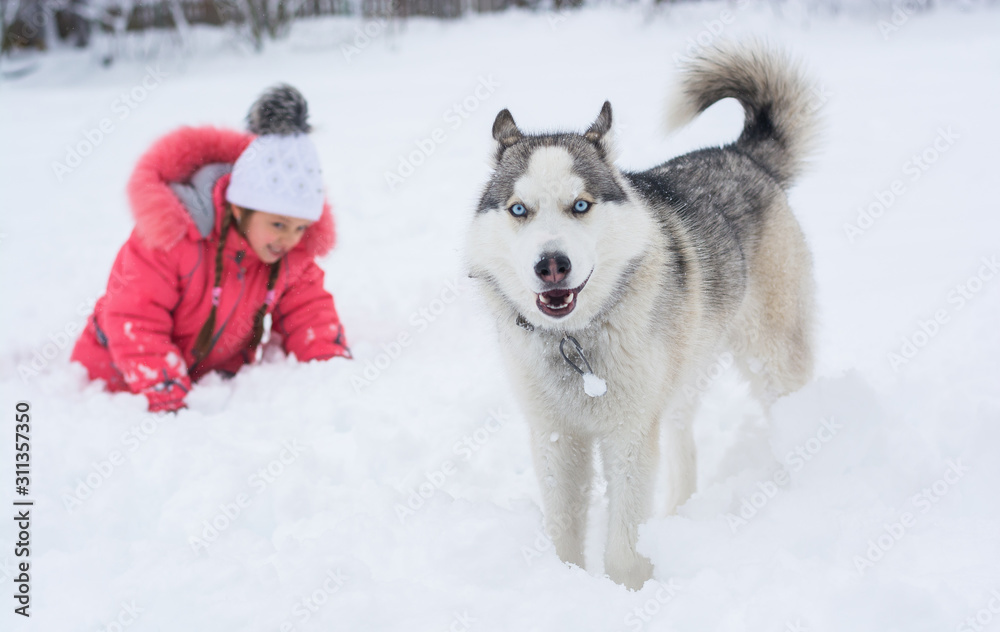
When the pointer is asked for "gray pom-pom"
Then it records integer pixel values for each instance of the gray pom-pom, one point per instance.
(280, 110)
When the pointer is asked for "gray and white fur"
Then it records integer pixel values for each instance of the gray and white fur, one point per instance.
(654, 273)
(282, 110)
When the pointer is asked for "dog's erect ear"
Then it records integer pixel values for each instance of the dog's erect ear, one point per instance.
(597, 133)
(505, 130)
(601, 126)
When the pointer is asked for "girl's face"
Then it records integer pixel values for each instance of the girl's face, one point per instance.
(271, 236)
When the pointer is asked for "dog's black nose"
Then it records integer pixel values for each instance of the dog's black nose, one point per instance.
(553, 268)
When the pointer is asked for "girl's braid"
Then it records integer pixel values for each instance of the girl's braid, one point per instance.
(203, 342)
(258, 319)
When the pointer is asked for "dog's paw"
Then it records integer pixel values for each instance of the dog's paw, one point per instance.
(631, 573)
(571, 555)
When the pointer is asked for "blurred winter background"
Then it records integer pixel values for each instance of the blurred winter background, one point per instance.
(395, 491)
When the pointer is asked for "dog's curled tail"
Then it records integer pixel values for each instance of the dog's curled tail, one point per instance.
(777, 98)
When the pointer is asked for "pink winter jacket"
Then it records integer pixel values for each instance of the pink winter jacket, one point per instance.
(159, 294)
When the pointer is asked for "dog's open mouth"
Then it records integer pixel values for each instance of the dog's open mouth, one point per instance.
(559, 303)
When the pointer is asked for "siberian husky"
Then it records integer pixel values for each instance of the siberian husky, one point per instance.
(612, 290)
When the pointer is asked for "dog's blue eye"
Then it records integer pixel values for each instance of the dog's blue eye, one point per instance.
(518, 210)
(581, 206)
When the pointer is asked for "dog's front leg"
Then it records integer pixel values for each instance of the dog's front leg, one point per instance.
(563, 463)
(681, 459)
(630, 458)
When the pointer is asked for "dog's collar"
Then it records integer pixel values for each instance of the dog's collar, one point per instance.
(523, 323)
(592, 385)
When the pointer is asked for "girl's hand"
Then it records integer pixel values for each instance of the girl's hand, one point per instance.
(166, 396)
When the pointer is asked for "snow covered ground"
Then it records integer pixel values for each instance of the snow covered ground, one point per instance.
(289, 498)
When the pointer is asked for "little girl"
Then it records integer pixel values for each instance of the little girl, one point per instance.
(227, 227)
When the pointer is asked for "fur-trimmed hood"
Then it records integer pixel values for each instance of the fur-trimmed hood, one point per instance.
(160, 216)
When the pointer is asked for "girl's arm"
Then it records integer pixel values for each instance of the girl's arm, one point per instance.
(307, 320)
(138, 324)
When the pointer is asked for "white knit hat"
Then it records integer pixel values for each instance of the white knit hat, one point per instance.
(279, 171)
(279, 174)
